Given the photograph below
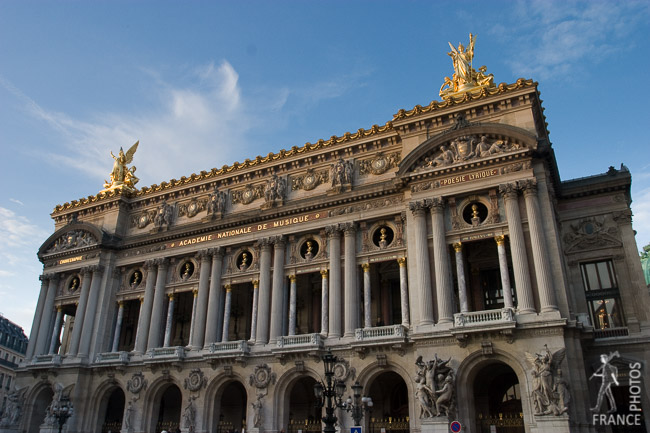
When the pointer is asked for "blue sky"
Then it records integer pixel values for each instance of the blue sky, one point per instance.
(202, 84)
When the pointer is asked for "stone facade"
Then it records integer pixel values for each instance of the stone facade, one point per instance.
(439, 256)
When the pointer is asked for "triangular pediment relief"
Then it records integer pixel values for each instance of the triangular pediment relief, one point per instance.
(73, 237)
(466, 143)
(591, 234)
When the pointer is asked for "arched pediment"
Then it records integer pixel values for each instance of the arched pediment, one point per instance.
(74, 236)
(469, 143)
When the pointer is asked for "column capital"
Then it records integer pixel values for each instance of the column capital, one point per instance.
(195, 292)
(59, 308)
(349, 228)
(528, 186)
(333, 231)
(323, 273)
(278, 241)
(419, 207)
(149, 264)
(48, 276)
(263, 244)
(509, 190)
(365, 267)
(171, 296)
(141, 300)
(120, 303)
(437, 204)
(401, 262)
(203, 255)
(161, 262)
(458, 247)
(256, 284)
(292, 278)
(500, 240)
(216, 252)
(95, 269)
(228, 288)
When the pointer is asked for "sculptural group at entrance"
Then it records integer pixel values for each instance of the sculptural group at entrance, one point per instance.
(435, 387)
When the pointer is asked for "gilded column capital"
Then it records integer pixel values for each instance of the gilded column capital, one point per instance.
(528, 186)
(292, 278)
(458, 247)
(171, 296)
(437, 204)
(59, 308)
(195, 292)
(500, 240)
(256, 284)
(120, 303)
(333, 231)
(419, 207)
(203, 255)
(509, 190)
(401, 262)
(141, 300)
(228, 288)
(323, 273)
(365, 267)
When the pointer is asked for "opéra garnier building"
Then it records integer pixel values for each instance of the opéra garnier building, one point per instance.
(440, 257)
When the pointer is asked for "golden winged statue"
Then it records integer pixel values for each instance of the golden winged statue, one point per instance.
(122, 177)
(465, 77)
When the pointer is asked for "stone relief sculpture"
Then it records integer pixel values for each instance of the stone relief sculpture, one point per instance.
(122, 177)
(341, 174)
(216, 203)
(189, 416)
(262, 376)
(435, 387)
(196, 380)
(164, 215)
(257, 411)
(545, 368)
(467, 148)
(13, 409)
(137, 383)
(274, 191)
(591, 233)
(128, 415)
(72, 239)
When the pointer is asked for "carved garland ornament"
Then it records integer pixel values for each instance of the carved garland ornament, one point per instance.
(343, 371)
(137, 383)
(262, 376)
(248, 194)
(196, 380)
(310, 180)
(380, 164)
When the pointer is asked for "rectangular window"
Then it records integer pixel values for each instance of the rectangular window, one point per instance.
(602, 294)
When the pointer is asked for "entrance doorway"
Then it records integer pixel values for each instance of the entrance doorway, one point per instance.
(497, 400)
(112, 405)
(167, 412)
(41, 403)
(390, 410)
(303, 414)
(230, 408)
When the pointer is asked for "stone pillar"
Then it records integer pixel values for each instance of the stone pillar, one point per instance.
(214, 320)
(264, 303)
(547, 299)
(88, 330)
(444, 292)
(335, 298)
(403, 292)
(170, 320)
(324, 314)
(80, 311)
(36, 323)
(367, 318)
(226, 313)
(518, 249)
(350, 277)
(277, 296)
(200, 308)
(118, 326)
(292, 305)
(57, 329)
(158, 305)
(256, 298)
(193, 325)
(422, 266)
(44, 330)
(505, 273)
(460, 274)
(146, 304)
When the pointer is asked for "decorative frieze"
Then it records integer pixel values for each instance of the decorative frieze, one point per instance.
(72, 240)
(310, 180)
(247, 195)
(380, 164)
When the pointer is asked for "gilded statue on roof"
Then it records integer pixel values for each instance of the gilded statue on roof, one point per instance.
(122, 177)
(465, 77)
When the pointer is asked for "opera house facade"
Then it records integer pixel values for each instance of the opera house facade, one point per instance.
(439, 257)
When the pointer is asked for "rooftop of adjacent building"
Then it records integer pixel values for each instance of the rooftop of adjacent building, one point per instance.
(12, 336)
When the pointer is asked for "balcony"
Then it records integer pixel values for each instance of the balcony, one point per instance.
(379, 335)
(47, 360)
(504, 317)
(112, 358)
(227, 349)
(611, 332)
(300, 342)
(176, 353)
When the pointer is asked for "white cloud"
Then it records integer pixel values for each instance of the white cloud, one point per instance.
(17, 201)
(569, 37)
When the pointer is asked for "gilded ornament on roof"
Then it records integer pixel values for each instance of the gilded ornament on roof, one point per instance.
(465, 77)
(122, 177)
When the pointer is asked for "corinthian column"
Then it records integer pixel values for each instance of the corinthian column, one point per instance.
(80, 311)
(200, 311)
(324, 315)
(460, 272)
(422, 261)
(403, 291)
(351, 290)
(146, 305)
(277, 296)
(518, 249)
(264, 305)
(335, 306)
(36, 323)
(118, 326)
(226, 313)
(169, 321)
(444, 292)
(57, 329)
(505, 273)
(540, 252)
(367, 318)
(155, 335)
(214, 319)
(292, 305)
(256, 298)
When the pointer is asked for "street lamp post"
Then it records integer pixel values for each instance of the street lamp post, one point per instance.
(329, 393)
(62, 410)
(359, 405)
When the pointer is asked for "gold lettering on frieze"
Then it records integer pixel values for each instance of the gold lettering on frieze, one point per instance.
(383, 259)
(477, 237)
(248, 229)
(71, 260)
(469, 177)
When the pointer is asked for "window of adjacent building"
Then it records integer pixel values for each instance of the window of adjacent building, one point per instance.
(601, 291)
(8, 382)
